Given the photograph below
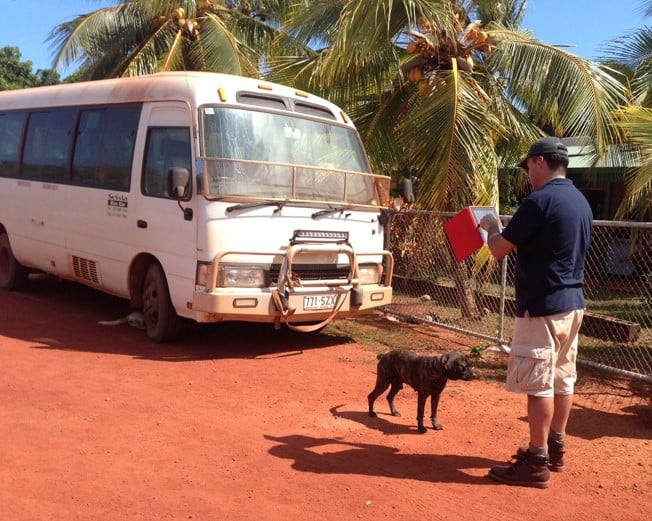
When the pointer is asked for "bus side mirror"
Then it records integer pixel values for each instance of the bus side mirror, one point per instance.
(178, 179)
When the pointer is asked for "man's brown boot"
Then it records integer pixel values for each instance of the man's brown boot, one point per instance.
(555, 455)
(527, 470)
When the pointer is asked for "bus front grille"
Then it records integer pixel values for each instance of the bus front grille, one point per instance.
(313, 272)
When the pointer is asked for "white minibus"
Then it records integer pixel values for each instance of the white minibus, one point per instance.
(193, 195)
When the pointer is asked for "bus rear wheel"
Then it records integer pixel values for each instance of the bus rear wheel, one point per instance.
(13, 275)
(161, 321)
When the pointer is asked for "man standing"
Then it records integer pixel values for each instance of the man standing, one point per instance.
(551, 232)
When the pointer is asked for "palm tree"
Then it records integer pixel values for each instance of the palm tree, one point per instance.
(136, 37)
(634, 51)
(430, 86)
(451, 87)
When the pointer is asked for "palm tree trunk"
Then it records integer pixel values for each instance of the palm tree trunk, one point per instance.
(465, 292)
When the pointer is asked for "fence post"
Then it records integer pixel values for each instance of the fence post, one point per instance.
(501, 316)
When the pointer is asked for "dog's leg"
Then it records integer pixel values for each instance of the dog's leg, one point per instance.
(381, 385)
(434, 403)
(421, 405)
(396, 387)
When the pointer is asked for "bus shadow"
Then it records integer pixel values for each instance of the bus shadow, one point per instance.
(62, 315)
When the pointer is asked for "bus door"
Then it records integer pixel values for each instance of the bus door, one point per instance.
(97, 205)
(39, 197)
(166, 227)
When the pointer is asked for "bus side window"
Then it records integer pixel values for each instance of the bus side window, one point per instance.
(48, 142)
(11, 136)
(35, 145)
(167, 147)
(118, 146)
(86, 156)
(105, 146)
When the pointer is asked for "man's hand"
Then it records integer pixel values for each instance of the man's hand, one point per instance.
(489, 224)
(498, 246)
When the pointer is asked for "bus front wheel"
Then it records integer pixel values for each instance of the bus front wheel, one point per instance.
(13, 275)
(161, 321)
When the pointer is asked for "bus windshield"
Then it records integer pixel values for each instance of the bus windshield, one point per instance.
(253, 154)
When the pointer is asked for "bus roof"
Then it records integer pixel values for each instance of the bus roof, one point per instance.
(194, 87)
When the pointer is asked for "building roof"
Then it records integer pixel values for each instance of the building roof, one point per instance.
(581, 155)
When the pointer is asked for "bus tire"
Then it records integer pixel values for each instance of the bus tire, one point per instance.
(161, 321)
(13, 275)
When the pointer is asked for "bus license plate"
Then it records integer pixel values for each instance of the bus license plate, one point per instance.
(319, 301)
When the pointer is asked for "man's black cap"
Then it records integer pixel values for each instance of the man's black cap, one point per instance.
(545, 146)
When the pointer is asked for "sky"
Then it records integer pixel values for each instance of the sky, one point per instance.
(584, 25)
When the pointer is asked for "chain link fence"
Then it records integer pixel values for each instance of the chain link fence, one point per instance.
(476, 297)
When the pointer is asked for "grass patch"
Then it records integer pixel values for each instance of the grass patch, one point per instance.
(378, 334)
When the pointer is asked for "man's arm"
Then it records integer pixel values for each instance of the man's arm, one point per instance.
(498, 245)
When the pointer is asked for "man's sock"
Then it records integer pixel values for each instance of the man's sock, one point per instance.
(538, 451)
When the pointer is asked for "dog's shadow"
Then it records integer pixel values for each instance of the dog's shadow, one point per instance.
(386, 426)
(338, 456)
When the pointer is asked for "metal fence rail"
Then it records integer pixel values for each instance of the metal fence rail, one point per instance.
(476, 296)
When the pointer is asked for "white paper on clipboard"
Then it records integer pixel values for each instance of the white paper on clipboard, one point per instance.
(479, 212)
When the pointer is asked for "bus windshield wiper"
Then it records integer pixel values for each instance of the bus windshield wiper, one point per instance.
(330, 210)
(258, 204)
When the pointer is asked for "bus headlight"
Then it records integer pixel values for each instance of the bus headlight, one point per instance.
(241, 277)
(370, 273)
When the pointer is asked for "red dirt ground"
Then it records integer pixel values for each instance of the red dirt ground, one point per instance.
(240, 422)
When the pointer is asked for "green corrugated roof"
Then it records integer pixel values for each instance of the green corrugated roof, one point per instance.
(581, 154)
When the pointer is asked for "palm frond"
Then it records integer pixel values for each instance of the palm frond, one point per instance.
(172, 59)
(229, 37)
(637, 122)
(361, 38)
(220, 50)
(78, 39)
(633, 49)
(508, 13)
(295, 70)
(376, 118)
(450, 138)
(314, 23)
(138, 54)
(570, 95)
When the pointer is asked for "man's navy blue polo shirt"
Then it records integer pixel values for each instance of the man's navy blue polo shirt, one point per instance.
(552, 232)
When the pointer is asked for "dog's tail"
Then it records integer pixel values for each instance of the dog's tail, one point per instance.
(117, 322)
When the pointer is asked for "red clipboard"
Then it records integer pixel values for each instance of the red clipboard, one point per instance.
(463, 233)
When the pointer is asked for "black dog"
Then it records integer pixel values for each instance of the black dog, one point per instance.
(427, 375)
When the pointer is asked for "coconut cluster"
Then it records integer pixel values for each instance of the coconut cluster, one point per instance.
(437, 49)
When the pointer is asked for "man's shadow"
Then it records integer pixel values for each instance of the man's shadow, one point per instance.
(633, 422)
